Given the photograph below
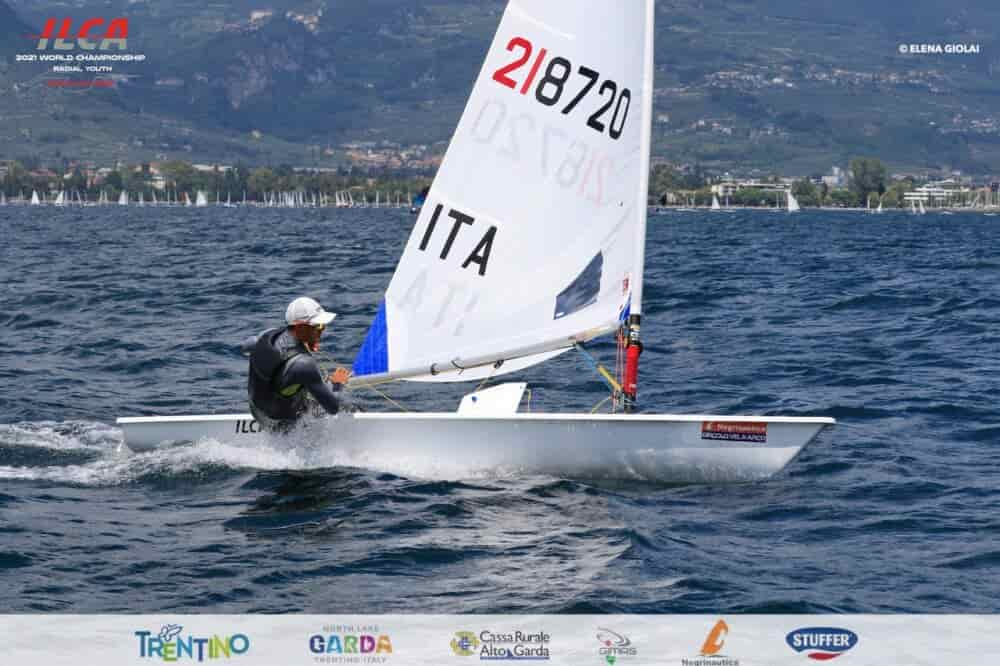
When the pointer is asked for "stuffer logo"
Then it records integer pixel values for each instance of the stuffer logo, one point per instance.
(822, 643)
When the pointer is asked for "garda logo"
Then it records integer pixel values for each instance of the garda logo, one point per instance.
(711, 649)
(349, 644)
(170, 645)
(614, 646)
(93, 34)
(822, 643)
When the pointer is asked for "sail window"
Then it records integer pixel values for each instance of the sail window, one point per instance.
(583, 290)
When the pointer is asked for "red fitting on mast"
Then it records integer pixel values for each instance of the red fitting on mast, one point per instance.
(630, 386)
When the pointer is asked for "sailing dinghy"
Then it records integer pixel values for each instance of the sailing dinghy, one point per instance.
(530, 243)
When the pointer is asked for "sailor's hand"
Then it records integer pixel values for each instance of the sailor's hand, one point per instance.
(340, 376)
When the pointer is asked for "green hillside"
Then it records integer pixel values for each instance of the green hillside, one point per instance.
(753, 86)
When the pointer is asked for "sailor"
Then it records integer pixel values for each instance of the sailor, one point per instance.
(284, 374)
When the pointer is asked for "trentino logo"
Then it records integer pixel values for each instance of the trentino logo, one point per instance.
(822, 643)
(169, 645)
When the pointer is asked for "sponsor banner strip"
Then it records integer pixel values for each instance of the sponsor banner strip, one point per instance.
(614, 640)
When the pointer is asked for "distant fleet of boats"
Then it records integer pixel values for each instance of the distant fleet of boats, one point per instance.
(293, 199)
(791, 204)
(362, 199)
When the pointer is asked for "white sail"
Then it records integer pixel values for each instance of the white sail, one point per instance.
(201, 199)
(60, 199)
(793, 203)
(35, 201)
(920, 203)
(715, 203)
(123, 198)
(187, 199)
(533, 232)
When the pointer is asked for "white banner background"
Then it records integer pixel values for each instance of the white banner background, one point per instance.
(426, 639)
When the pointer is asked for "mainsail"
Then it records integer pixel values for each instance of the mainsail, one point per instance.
(532, 236)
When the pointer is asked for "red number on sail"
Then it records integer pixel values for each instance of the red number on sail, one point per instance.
(534, 70)
(500, 76)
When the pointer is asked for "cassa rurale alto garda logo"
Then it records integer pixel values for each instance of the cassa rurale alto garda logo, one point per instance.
(502, 645)
(464, 644)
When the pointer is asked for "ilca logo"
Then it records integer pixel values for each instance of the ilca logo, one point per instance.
(113, 33)
(464, 644)
(614, 646)
(711, 649)
(822, 643)
(170, 645)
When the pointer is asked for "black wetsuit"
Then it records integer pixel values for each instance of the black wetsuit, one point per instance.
(282, 375)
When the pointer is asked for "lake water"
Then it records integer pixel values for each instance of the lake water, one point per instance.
(889, 323)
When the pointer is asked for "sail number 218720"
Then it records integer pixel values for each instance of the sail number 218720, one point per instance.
(554, 81)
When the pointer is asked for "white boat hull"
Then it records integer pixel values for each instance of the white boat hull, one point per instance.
(660, 448)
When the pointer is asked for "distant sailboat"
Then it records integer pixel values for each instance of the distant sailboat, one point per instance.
(35, 201)
(715, 203)
(793, 203)
(60, 199)
(187, 199)
(123, 198)
(923, 211)
(879, 209)
(201, 199)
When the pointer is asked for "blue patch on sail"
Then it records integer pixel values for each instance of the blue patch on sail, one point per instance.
(623, 315)
(374, 355)
(582, 291)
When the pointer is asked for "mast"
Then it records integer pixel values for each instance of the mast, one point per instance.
(634, 344)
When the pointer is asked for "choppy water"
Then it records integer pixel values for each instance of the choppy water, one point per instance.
(889, 324)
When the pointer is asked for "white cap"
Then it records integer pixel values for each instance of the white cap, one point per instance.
(305, 310)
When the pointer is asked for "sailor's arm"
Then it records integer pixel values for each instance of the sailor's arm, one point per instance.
(306, 372)
(246, 347)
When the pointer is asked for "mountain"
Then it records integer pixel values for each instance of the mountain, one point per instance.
(743, 85)
(13, 33)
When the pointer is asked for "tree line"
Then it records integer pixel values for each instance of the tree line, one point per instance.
(180, 176)
(868, 184)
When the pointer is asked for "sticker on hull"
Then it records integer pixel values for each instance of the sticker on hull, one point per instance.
(730, 431)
